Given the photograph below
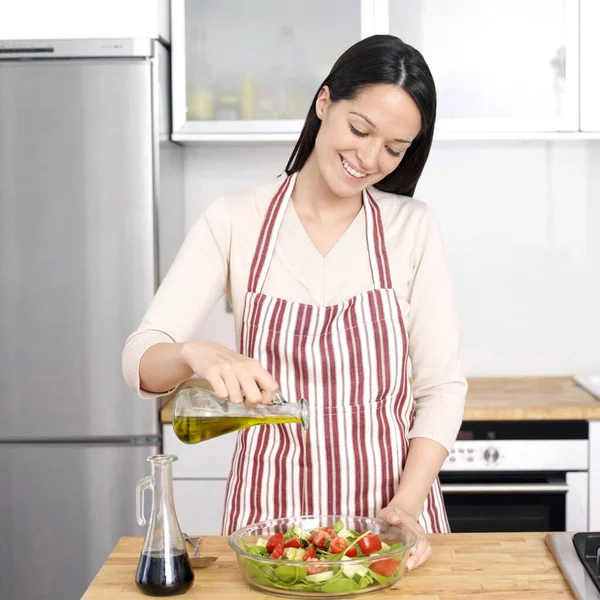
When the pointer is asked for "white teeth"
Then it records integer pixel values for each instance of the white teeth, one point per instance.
(352, 171)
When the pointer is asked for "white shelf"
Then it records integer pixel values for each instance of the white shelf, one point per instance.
(253, 138)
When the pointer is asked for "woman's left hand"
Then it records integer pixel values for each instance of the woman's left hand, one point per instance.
(396, 515)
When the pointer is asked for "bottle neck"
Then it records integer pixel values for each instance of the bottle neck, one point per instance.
(162, 474)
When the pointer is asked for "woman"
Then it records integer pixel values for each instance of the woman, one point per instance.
(336, 277)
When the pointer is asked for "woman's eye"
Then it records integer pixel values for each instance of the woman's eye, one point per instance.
(357, 132)
(394, 153)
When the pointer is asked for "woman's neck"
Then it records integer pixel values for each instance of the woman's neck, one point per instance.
(314, 200)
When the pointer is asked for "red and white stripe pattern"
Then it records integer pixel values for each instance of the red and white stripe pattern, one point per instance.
(349, 361)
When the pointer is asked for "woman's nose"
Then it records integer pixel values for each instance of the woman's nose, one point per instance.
(367, 155)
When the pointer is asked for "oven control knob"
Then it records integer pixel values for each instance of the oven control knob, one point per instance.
(491, 455)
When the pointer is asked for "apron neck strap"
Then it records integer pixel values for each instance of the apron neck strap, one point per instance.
(267, 239)
(380, 265)
(268, 235)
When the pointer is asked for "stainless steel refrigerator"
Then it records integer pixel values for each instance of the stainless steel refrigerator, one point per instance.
(81, 124)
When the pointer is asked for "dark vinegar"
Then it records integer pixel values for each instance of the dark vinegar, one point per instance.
(160, 576)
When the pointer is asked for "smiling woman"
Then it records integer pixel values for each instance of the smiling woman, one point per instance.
(381, 91)
(337, 279)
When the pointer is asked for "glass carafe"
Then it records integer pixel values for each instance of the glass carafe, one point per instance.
(164, 567)
(199, 414)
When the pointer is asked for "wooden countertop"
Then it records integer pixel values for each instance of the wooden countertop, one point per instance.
(515, 399)
(497, 566)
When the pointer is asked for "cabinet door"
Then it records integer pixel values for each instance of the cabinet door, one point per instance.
(590, 72)
(499, 65)
(92, 19)
(254, 67)
(209, 460)
(199, 505)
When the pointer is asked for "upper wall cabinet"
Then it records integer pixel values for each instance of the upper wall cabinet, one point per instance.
(248, 71)
(590, 65)
(499, 65)
(90, 19)
(252, 68)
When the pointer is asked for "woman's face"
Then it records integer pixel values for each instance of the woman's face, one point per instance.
(363, 140)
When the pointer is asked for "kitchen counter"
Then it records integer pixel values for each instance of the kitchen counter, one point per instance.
(515, 399)
(497, 566)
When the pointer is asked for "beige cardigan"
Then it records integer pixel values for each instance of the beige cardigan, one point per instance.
(215, 260)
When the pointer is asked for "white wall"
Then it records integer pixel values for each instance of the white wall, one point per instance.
(521, 222)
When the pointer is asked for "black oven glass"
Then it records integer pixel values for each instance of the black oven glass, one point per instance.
(507, 511)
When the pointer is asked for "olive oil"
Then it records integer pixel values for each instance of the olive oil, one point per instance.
(304, 475)
(192, 430)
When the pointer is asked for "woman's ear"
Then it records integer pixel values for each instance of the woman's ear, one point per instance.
(323, 102)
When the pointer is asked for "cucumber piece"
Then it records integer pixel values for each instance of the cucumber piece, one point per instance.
(295, 553)
(261, 542)
(319, 577)
(344, 533)
(351, 570)
(303, 535)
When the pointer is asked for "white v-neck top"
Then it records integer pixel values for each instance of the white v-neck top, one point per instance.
(215, 260)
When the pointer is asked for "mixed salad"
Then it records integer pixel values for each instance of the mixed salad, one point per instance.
(336, 543)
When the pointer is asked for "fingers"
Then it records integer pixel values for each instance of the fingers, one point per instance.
(234, 390)
(243, 383)
(266, 383)
(422, 549)
(218, 385)
(393, 518)
(231, 375)
(252, 395)
(419, 554)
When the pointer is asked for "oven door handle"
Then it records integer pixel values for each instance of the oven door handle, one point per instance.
(505, 488)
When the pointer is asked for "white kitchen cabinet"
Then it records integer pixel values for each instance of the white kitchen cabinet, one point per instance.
(590, 71)
(199, 480)
(252, 68)
(503, 68)
(499, 65)
(594, 477)
(74, 19)
(199, 505)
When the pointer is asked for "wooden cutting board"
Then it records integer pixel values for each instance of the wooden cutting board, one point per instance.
(490, 566)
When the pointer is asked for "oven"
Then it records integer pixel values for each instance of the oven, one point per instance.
(518, 476)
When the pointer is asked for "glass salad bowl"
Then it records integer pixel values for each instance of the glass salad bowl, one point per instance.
(326, 556)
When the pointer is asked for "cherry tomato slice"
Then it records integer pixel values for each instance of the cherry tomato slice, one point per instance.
(278, 551)
(293, 543)
(369, 544)
(274, 541)
(337, 545)
(314, 569)
(385, 567)
(310, 553)
(320, 538)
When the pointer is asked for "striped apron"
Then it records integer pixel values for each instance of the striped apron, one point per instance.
(349, 362)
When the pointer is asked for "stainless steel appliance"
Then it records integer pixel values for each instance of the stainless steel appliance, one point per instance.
(518, 476)
(80, 130)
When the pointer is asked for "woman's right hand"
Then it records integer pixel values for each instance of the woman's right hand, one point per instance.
(231, 375)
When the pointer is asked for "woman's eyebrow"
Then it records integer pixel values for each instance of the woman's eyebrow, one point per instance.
(352, 112)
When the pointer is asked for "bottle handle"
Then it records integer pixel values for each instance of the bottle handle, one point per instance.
(147, 483)
(278, 399)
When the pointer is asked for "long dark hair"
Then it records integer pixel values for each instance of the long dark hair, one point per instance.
(378, 59)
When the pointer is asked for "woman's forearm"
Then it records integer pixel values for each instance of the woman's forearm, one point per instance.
(423, 463)
(162, 367)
